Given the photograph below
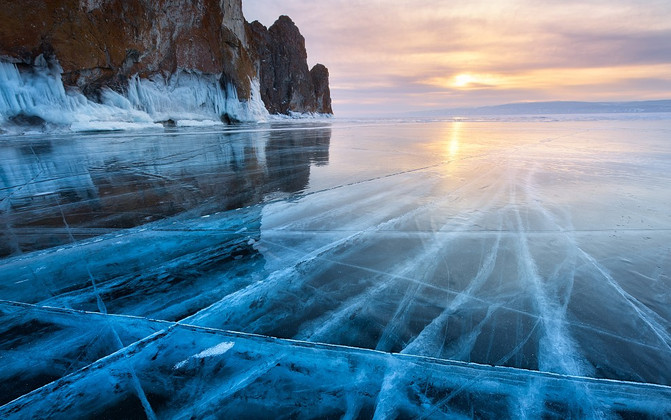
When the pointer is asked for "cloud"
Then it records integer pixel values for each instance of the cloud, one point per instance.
(538, 48)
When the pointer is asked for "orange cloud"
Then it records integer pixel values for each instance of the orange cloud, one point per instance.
(551, 77)
(415, 53)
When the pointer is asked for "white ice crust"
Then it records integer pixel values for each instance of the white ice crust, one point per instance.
(187, 98)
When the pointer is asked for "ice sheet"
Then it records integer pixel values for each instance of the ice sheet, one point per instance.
(198, 373)
(435, 249)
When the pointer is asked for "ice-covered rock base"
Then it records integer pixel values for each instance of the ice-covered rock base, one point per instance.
(36, 97)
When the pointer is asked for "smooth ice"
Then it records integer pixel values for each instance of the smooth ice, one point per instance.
(501, 268)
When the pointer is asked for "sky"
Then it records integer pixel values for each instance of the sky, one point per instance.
(396, 56)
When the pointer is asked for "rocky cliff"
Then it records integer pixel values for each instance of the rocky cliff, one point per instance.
(99, 46)
(286, 84)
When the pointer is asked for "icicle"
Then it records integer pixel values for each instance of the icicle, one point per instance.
(185, 98)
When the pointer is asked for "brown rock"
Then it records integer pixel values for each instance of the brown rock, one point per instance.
(320, 81)
(102, 43)
(286, 84)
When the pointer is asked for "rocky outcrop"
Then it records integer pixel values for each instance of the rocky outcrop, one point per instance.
(320, 81)
(102, 44)
(286, 83)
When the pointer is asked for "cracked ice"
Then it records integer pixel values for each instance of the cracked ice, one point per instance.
(429, 269)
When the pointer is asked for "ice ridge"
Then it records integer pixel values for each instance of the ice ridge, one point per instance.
(237, 366)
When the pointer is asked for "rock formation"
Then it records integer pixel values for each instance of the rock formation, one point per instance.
(320, 80)
(103, 44)
(286, 84)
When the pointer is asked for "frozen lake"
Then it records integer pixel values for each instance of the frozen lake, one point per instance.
(396, 269)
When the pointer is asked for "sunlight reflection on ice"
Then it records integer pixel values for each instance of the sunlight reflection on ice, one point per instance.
(542, 249)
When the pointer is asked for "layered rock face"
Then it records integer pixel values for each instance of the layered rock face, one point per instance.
(286, 84)
(103, 44)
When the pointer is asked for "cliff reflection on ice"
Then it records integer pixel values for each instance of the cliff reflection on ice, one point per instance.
(120, 181)
(349, 270)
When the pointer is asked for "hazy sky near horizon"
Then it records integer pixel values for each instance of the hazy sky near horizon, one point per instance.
(397, 56)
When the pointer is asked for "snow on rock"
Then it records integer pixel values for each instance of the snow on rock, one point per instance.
(37, 95)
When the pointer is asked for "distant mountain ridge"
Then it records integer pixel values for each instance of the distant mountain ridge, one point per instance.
(556, 107)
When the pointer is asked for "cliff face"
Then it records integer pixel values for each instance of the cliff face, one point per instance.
(320, 81)
(103, 43)
(286, 83)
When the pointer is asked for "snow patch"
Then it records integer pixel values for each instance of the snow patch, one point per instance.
(217, 350)
(92, 5)
(300, 116)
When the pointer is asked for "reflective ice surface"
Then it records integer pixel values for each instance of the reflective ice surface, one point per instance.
(407, 269)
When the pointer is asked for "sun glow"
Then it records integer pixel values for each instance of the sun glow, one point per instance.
(467, 81)
(463, 80)
(452, 138)
(556, 80)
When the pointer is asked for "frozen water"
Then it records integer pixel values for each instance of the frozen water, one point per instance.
(189, 371)
(380, 269)
(186, 98)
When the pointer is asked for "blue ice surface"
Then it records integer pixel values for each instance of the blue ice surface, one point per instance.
(392, 269)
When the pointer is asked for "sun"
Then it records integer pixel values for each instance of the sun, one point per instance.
(469, 81)
(463, 80)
